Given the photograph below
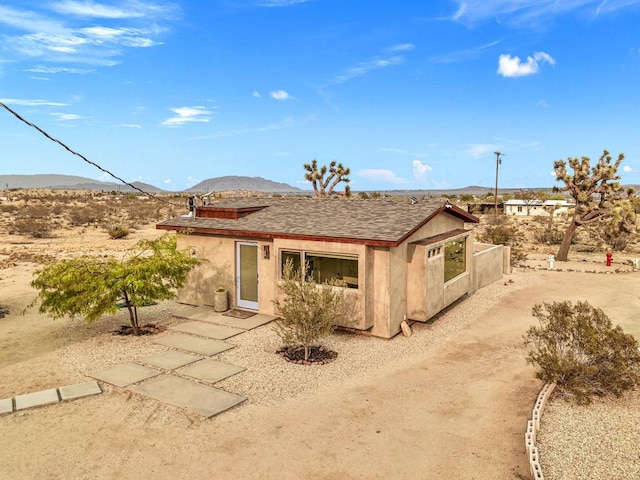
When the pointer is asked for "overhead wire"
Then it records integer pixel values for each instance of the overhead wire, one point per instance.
(70, 150)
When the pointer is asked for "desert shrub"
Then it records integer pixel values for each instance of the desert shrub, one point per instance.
(9, 208)
(549, 236)
(363, 195)
(32, 227)
(308, 311)
(466, 197)
(3, 311)
(577, 347)
(501, 233)
(498, 234)
(117, 232)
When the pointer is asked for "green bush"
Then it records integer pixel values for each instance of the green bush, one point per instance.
(308, 311)
(577, 347)
(117, 232)
(501, 233)
(33, 227)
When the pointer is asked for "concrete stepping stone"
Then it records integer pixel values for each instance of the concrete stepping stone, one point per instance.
(79, 390)
(6, 406)
(183, 393)
(210, 370)
(126, 374)
(189, 343)
(207, 314)
(171, 359)
(208, 330)
(243, 323)
(37, 399)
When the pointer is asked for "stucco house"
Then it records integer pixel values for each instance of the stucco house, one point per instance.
(519, 207)
(398, 259)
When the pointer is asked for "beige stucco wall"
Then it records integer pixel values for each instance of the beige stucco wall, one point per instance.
(217, 269)
(393, 283)
(488, 264)
(427, 294)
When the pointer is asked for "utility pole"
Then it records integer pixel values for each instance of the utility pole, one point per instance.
(495, 197)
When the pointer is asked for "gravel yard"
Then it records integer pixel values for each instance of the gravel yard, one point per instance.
(600, 441)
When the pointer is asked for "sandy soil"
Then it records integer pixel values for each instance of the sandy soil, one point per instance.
(456, 411)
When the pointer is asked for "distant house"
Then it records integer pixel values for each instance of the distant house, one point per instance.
(398, 260)
(520, 207)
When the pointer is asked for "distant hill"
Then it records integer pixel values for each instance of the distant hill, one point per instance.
(257, 184)
(69, 182)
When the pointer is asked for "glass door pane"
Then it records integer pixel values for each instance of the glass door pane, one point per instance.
(248, 275)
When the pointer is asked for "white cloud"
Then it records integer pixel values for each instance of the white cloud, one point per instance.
(478, 150)
(167, 181)
(48, 31)
(280, 95)
(512, 67)
(66, 117)
(256, 94)
(403, 47)
(188, 115)
(134, 9)
(190, 182)
(364, 68)
(532, 13)
(281, 3)
(627, 169)
(31, 103)
(542, 103)
(399, 151)
(44, 69)
(382, 175)
(130, 125)
(420, 169)
(463, 55)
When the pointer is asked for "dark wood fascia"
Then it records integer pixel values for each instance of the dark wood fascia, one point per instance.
(285, 236)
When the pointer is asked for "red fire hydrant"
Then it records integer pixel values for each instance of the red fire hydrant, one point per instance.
(609, 258)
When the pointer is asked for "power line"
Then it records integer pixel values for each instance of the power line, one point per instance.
(55, 140)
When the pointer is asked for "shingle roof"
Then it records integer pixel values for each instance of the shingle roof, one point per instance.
(383, 222)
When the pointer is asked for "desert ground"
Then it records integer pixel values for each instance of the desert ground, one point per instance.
(451, 401)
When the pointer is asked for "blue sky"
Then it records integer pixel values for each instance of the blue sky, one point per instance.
(409, 94)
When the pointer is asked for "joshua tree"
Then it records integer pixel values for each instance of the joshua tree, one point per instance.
(594, 189)
(324, 187)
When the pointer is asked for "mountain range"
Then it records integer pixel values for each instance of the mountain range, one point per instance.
(72, 182)
(218, 184)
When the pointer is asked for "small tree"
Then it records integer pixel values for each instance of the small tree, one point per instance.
(577, 347)
(92, 286)
(308, 311)
(594, 189)
(324, 187)
(502, 233)
(620, 226)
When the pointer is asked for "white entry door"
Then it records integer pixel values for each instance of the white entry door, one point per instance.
(247, 275)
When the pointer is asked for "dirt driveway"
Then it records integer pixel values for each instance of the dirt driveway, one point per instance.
(454, 412)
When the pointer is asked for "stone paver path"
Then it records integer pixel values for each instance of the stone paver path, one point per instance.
(126, 374)
(190, 343)
(208, 330)
(210, 370)
(183, 393)
(200, 337)
(49, 397)
(209, 315)
(171, 359)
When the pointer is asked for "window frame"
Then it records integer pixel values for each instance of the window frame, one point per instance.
(312, 253)
(457, 272)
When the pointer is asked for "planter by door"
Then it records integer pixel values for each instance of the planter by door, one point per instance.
(220, 302)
